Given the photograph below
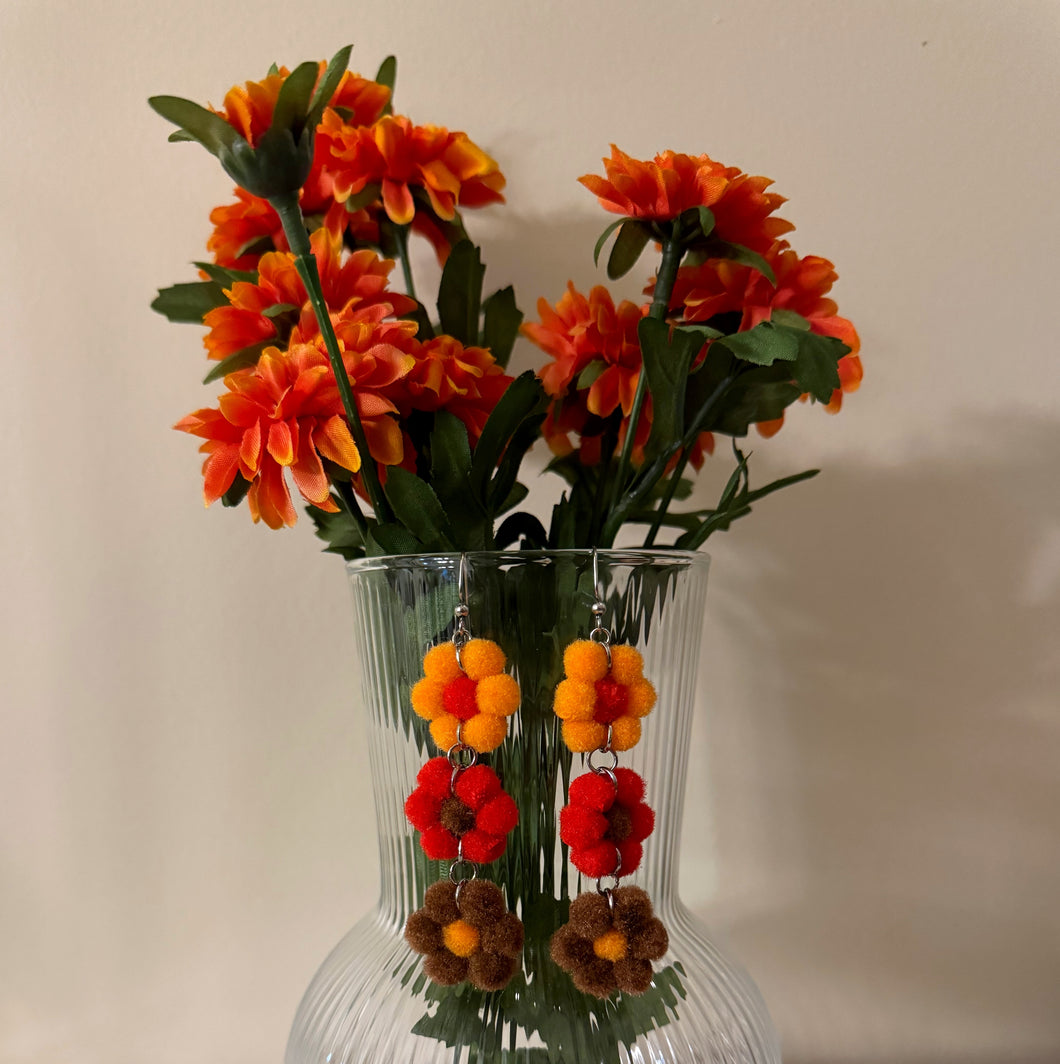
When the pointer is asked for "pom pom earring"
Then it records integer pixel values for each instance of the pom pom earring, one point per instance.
(461, 810)
(612, 935)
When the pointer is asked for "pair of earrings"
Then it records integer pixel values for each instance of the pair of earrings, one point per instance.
(464, 929)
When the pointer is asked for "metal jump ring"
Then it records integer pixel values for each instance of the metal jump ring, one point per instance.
(605, 770)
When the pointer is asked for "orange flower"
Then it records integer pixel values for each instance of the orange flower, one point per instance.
(249, 109)
(285, 412)
(591, 334)
(446, 375)
(744, 213)
(239, 225)
(245, 230)
(399, 156)
(721, 286)
(354, 288)
(658, 190)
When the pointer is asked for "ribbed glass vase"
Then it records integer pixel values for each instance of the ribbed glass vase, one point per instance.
(370, 1003)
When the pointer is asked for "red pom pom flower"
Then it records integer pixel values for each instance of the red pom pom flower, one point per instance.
(475, 811)
(603, 821)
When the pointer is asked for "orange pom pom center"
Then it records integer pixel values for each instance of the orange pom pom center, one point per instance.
(610, 946)
(460, 938)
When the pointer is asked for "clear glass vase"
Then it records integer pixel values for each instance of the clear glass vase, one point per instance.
(370, 1003)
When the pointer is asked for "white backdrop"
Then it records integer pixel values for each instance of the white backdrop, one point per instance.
(185, 818)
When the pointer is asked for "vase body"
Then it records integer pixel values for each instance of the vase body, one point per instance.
(370, 1003)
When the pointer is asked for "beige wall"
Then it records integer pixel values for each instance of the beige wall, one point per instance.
(184, 811)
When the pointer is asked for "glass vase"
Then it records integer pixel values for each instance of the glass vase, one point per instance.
(370, 1003)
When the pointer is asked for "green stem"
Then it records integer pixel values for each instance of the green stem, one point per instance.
(672, 252)
(639, 491)
(401, 234)
(287, 207)
(664, 505)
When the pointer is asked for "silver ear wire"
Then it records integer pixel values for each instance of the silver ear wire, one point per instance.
(461, 612)
(600, 633)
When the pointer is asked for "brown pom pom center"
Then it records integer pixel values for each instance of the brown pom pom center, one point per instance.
(620, 824)
(456, 817)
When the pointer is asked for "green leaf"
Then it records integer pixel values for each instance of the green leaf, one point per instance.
(368, 195)
(450, 456)
(338, 530)
(790, 318)
(292, 103)
(328, 84)
(417, 507)
(754, 396)
(602, 240)
(632, 239)
(450, 476)
(225, 275)
(387, 75)
(237, 492)
(391, 539)
(246, 356)
(501, 319)
(189, 302)
(697, 223)
(522, 399)
(508, 470)
(589, 375)
(518, 493)
(460, 293)
(764, 344)
(721, 249)
(257, 245)
(816, 368)
(197, 122)
(668, 355)
(278, 309)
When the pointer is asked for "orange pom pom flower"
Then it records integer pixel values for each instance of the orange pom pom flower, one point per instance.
(472, 695)
(594, 698)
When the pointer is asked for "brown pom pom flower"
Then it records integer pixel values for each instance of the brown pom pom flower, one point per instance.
(475, 939)
(607, 950)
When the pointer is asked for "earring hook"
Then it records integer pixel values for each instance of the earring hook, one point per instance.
(600, 633)
(461, 631)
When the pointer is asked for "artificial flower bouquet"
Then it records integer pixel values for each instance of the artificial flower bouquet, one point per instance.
(393, 415)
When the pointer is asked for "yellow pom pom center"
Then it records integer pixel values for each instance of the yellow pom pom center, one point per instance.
(460, 938)
(610, 946)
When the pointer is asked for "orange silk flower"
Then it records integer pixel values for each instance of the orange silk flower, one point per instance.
(659, 189)
(356, 287)
(721, 286)
(400, 156)
(285, 412)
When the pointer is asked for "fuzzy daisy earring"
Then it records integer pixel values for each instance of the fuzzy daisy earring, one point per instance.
(612, 934)
(461, 810)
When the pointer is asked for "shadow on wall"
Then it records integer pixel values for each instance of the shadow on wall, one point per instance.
(886, 768)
